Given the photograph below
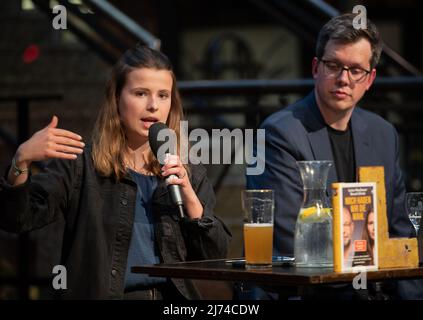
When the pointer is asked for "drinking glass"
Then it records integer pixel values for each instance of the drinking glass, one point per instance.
(258, 206)
(414, 207)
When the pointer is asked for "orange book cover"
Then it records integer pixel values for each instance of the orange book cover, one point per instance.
(354, 226)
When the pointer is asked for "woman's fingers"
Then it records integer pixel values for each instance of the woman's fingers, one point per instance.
(68, 142)
(64, 144)
(66, 133)
(51, 142)
(171, 161)
(55, 150)
(66, 149)
(175, 180)
(61, 155)
(173, 167)
(178, 171)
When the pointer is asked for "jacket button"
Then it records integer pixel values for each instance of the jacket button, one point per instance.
(124, 202)
(114, 273)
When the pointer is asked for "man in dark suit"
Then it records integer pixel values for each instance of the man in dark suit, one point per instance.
(328, 125)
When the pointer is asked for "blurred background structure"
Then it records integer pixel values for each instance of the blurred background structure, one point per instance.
(236, 62)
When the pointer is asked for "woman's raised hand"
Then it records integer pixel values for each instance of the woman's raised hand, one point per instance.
(50, 142)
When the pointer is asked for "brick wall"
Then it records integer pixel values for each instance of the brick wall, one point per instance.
(65, 67)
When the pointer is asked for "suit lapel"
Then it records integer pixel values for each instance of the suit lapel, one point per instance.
(318, 136)
(320, 143)
(361, 140)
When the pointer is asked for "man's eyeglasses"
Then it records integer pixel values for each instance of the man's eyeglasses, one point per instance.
(334, 69)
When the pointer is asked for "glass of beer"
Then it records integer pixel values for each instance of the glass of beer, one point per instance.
(258, 207)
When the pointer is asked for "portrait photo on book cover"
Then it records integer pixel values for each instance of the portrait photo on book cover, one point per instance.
(359, 235)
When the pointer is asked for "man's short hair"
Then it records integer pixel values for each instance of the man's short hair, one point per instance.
(341, 29)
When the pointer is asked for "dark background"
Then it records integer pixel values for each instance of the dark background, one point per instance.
(46, 71)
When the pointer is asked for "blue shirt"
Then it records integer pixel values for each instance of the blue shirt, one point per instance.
(143, 248)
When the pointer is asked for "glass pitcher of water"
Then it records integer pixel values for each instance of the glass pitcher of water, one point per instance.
(313, 230)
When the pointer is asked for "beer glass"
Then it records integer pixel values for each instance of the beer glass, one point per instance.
(258, 207)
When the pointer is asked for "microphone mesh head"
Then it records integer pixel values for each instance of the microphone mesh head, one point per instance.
(158, 135)
(153, 133)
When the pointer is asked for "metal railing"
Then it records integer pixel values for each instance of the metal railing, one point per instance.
(272, 86)
(107, 31)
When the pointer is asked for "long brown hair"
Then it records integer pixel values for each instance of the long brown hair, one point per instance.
(109, 139)
(366, 236)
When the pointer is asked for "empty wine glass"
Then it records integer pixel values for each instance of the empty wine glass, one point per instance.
(414, 206)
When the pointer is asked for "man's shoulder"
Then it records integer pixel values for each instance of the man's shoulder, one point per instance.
(287, 118)
(374, 121)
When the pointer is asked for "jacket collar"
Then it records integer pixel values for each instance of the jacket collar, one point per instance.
(361, 139)
(319, 138)
(318, 135)
(161, 189)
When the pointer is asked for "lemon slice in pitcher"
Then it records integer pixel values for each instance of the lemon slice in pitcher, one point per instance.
(315, 214)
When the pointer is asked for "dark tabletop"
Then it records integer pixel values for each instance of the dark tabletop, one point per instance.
(279, 275)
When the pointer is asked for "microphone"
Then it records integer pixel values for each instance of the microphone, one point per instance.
(155, 144)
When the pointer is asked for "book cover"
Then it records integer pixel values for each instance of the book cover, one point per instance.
(354, 226)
